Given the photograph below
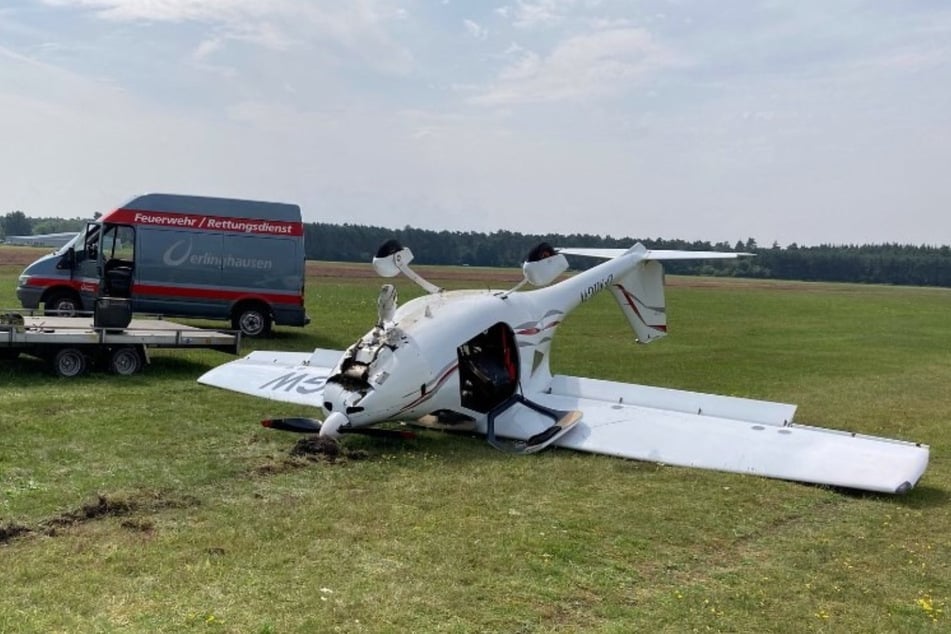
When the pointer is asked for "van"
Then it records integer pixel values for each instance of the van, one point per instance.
(181, 256)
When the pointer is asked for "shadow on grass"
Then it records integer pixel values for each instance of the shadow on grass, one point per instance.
(452, 447)
(25, 369)
(167, 366)
(300, 340)
(280, 338)
(921, 497)
(925, 497)
(29, 371)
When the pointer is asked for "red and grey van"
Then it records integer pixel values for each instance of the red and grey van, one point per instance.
(181, 256)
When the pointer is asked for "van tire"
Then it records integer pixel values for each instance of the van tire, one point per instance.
(62, 304)
(125, 361)
(69, 362)
(253, 320)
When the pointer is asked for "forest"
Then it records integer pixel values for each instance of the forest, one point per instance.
(873, 264)
(902, 264)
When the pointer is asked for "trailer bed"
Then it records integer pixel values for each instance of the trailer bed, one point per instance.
(72, 343)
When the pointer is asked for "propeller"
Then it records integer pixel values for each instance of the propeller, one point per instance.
(332, 427)
(296, 425)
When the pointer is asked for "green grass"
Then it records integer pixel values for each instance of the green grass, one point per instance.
(213, 528)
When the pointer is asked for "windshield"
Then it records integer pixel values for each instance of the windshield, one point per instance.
(77, 241)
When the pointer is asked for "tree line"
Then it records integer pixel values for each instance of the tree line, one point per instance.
(17, 223)
(868, 263)
(874, 264)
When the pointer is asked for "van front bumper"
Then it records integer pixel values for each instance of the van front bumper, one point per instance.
(29, 296)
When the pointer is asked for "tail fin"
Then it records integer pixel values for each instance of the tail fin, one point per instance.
(640, 294)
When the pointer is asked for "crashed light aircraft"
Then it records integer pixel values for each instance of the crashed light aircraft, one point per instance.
(478, 360)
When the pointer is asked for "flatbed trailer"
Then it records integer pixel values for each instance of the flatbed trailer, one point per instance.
(73, 344)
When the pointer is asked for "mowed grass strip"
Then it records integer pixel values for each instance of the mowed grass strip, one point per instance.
(151, 503)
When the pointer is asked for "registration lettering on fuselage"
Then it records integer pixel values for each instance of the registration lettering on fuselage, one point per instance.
(600, 285)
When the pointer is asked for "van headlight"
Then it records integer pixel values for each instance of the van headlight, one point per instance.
(22, 280)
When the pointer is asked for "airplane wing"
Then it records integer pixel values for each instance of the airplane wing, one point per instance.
(292, 377)
(723, 433)
(654, 254)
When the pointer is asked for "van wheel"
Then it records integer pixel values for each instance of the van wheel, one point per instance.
(63, 304)
(125, 361)
(253, 320)
(69, 362)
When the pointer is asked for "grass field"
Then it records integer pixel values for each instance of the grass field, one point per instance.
(150, 503)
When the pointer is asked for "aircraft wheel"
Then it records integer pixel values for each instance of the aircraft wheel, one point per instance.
(253, 320)
(125, 361)
(69, 362)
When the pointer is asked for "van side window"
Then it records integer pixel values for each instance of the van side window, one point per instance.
(118, 245)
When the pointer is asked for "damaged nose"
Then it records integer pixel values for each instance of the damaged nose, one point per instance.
(330, 428)
(341, 398)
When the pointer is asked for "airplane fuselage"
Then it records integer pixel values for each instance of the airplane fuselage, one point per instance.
(426, 359)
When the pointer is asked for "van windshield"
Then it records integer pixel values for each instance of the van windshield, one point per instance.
(77, 239)
(77, 242)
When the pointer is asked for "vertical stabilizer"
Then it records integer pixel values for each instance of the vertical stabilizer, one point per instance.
(640, 294)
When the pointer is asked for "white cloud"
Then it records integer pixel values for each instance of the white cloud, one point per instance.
(356, 26)
(582, 67)
(475, 30)
(540, 13)
(172, 10)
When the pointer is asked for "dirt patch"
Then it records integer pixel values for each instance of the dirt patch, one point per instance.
(103, 506)
(324, 449)
(11, 531)
(437, 274)
(20, 256)
(319, 446)
(308, 450)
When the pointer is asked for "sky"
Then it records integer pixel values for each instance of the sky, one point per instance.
(808, 121)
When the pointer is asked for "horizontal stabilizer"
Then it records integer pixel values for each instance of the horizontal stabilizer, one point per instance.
(292, 377)
(691, 429)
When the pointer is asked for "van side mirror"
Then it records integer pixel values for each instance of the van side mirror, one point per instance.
(68, 259)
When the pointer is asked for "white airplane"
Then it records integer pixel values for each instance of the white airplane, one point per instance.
(478, 360)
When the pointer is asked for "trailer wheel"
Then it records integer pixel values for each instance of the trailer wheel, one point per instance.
(62, 303)
(69, 362)
(253, 320)
(125, 361)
